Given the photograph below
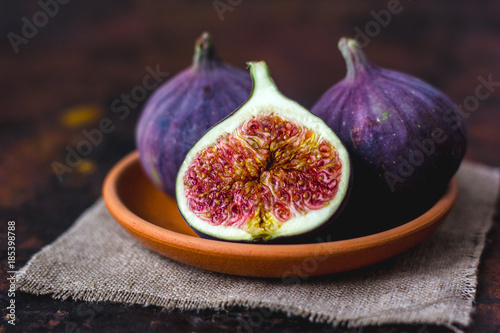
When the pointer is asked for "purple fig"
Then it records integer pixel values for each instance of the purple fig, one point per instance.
(406, 139)
(184, 108)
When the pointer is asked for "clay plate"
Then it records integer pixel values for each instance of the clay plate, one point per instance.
(152, 218)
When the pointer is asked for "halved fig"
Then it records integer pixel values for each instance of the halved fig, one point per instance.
(271, 170)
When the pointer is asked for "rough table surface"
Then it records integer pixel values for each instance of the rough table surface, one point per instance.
(83, 57)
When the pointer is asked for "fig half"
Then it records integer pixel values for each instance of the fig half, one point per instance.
(271, 170)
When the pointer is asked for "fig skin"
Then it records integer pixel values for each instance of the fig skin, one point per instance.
(406, 139)
(198, 179)
(181, 110)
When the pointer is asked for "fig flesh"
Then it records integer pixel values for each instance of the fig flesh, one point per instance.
(271, 170)
(184, 108)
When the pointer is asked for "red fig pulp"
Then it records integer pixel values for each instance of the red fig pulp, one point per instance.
(270, 171)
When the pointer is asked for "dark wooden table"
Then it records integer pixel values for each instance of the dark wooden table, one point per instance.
(60, 77)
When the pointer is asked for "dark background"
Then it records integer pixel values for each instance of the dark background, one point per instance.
(65, 77)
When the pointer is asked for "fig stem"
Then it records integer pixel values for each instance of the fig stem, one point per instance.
(204, 52)
(354, 57)
(260, 76)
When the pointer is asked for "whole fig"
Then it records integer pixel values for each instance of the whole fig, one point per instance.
(181, 110)
(406, 139)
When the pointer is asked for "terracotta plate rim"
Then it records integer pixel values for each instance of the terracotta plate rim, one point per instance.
(136, 224)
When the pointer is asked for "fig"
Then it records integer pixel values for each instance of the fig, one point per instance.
(271, 171)
(406, 139)
(181, 110)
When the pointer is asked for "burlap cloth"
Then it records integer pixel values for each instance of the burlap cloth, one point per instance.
(434, 283)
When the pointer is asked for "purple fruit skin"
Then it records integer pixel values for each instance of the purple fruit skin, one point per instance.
(181, 111)
(385, 118)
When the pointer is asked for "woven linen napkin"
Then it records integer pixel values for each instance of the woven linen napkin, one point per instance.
(434, 283)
